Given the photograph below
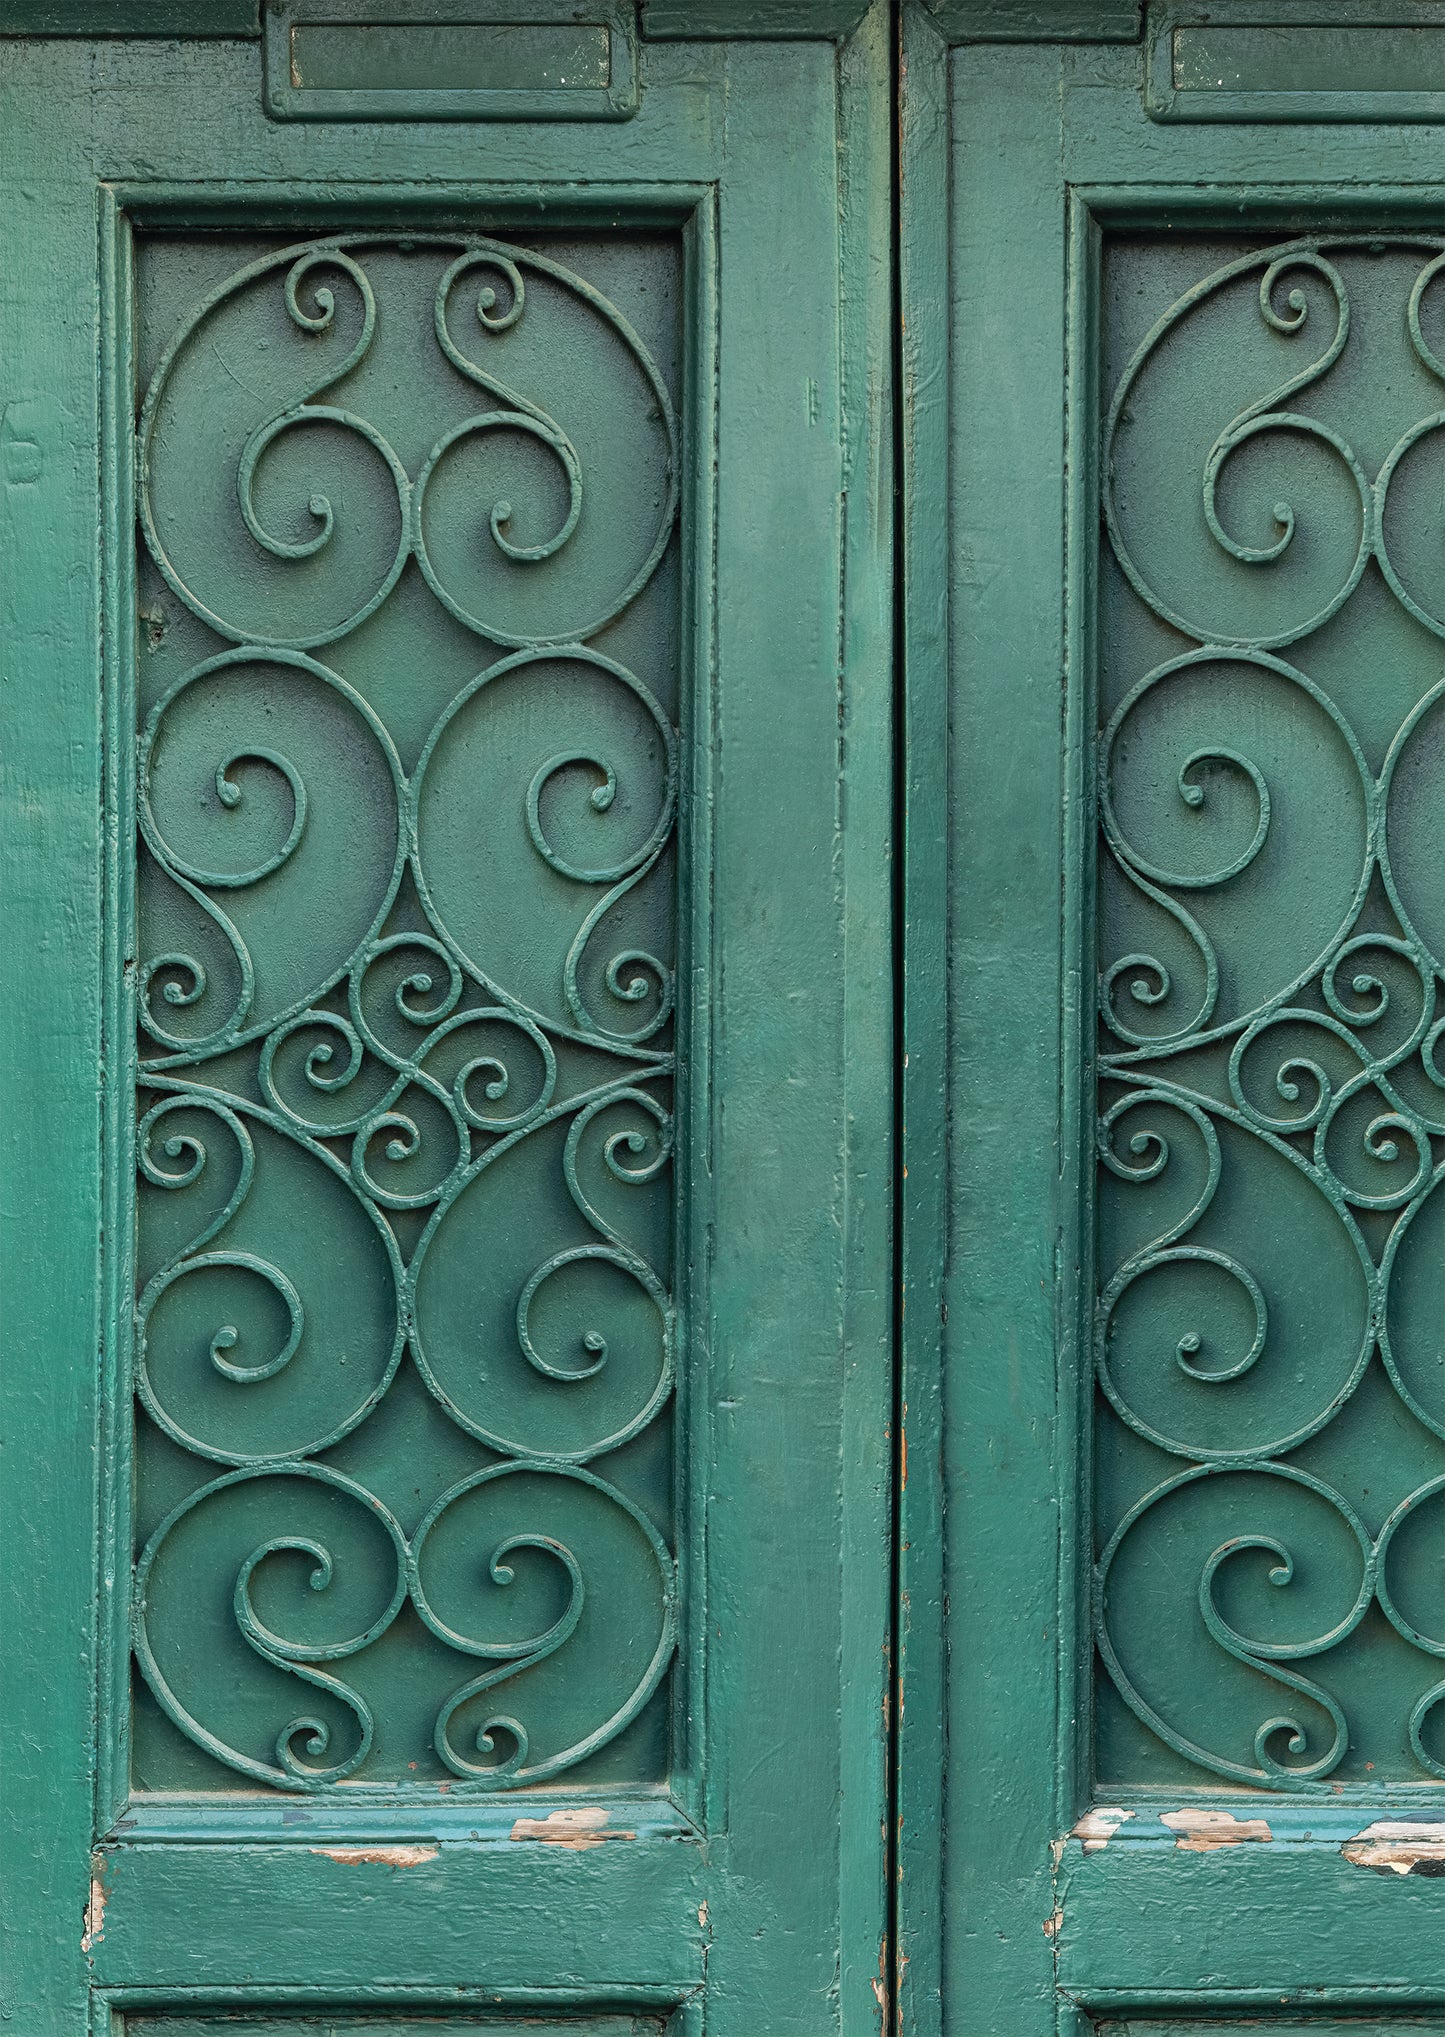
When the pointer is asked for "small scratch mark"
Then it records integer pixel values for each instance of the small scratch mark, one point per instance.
(576, 1829)
(1399, 1846)
(94, 1930)
(1205, 1831)
(1097, 1827)
(377, 1856)
(224, 365)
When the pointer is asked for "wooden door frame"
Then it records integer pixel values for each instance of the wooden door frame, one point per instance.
(1003, 1919)
(662, 1941)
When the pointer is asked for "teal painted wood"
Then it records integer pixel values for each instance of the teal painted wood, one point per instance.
(690, 20)
(740, 1870)
(1036, 20)
(339, 60)
(1282, 62)
(50, 759)
(134, 17)
(926, 735)
(1325, 1889)
(661, 20)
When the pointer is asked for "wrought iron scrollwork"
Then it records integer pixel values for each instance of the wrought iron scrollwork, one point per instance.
(1300, 1066)
(381, 1004)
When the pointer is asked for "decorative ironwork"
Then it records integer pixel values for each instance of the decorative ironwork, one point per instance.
(405, 1068)
(1272, 956)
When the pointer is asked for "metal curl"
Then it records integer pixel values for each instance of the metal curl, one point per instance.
(1269, 1659)
(513, 1659)
(296, 1659)
(592, 1340)
(1265, 415)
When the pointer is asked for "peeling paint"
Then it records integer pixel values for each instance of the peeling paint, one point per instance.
(377, 1856)
(94, 1930)
(1053, 1924)
(1205, 1831)
(1399, 1846)
(1097, 1827)
(702, 1914)
(576, 1829)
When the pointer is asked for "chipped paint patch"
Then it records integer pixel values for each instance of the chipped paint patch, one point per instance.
(1097, 1827)
(377, 1856)
(1205, 1831)
(702, 1914)
(94, 1930)
(1399, 1846)
(1053, 1924)
(577, 1829)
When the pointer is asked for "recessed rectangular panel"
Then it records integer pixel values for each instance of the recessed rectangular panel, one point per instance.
(1288, 2026)
(281, 2024)
(1274, 59)
(1270, 744)
(336, 60)
(406, 750)
(1275, 67)
(1364, 2025)
(331, 56)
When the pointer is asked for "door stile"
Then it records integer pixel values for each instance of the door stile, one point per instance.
(118, 639)
(867, 714)
(926, 738)
(51, 799)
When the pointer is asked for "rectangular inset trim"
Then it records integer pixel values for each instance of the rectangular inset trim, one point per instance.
(325, 61)
(1258, 59)
(462, 56)
(1274, 70)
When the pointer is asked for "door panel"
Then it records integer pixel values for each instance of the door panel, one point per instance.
(431, 705)
(1188, 1405)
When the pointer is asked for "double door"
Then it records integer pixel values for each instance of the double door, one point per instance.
(720, 1284)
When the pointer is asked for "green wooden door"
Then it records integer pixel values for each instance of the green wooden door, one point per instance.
(1174, 392)
(445, 627)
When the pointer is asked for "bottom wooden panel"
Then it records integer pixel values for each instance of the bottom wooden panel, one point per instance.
(279, 2023)
(1268, 2026)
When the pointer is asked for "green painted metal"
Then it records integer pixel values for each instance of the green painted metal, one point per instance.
(448, 777)
(1173, 593)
